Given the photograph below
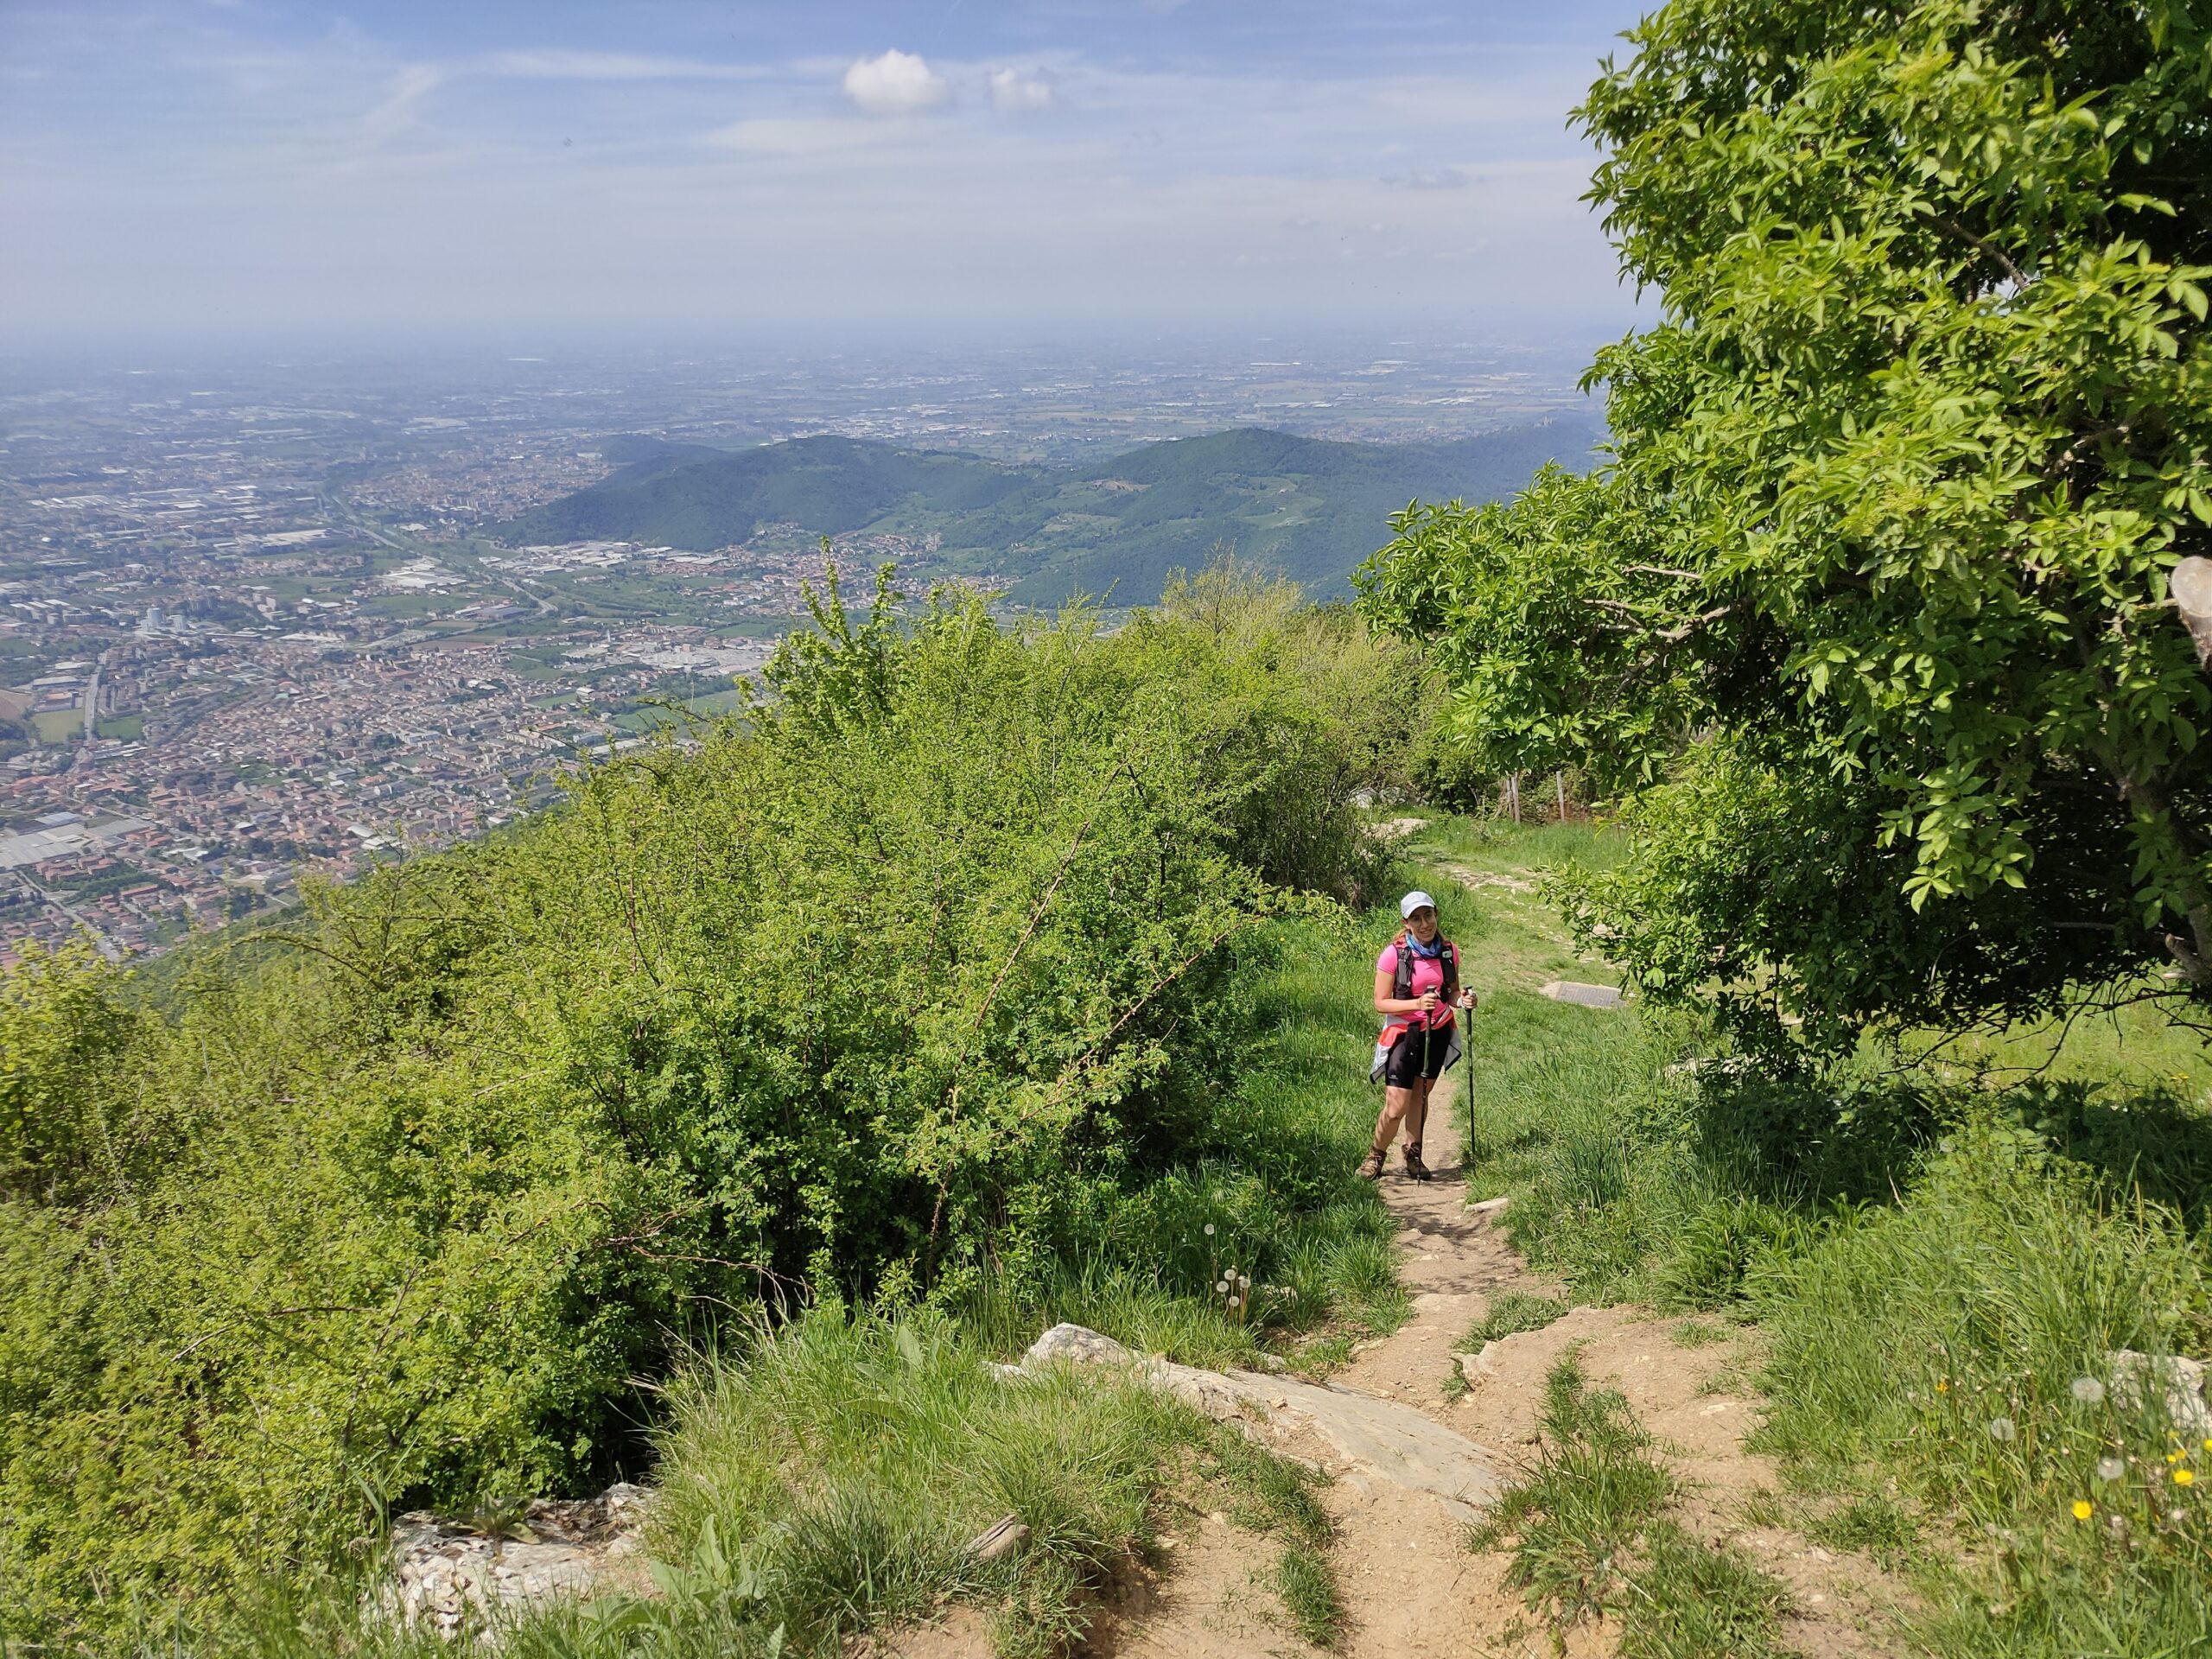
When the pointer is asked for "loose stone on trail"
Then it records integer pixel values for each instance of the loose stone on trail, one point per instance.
(1589, 997)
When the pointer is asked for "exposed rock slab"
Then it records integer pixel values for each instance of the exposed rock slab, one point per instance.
(1588, 997)
(1381, 1439)
(446, 1570)
(2180, 1381)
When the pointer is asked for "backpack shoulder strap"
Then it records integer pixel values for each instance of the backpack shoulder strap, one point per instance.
(1402, 983)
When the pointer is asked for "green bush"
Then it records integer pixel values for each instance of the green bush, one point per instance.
(895, 987)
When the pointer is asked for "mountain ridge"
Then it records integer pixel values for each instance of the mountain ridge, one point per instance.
(1312, 508)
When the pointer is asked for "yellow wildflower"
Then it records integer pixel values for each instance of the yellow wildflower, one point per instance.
(2083, 1508)
(2182, 1476)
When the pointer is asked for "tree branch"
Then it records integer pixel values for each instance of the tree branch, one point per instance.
(1982, 245)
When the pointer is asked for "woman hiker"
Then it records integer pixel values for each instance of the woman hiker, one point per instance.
(1417, 988)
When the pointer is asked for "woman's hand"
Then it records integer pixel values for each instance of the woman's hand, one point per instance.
(1426, 1001)
(1467, 1000)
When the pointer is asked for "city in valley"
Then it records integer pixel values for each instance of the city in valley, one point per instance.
(255, 625)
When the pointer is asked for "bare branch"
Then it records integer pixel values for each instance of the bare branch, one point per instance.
(1674, 636)
(1982, 245)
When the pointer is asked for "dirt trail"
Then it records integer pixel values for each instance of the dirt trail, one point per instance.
(1411, 1586)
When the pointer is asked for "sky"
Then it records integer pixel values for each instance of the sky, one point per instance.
(224, 167)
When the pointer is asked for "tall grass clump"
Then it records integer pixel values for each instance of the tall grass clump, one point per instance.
(1961, 1344)
(848, 1460)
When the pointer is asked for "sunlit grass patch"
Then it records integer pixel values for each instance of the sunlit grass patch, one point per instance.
(1511, 1314)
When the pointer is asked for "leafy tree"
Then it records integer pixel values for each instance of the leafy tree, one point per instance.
(1899, 479)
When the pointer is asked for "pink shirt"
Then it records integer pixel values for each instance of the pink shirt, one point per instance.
(1428, 976)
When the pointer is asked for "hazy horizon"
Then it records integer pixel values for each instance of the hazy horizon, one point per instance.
(258, 171)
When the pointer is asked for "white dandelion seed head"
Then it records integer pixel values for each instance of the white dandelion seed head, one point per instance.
(1209, 1230)
(2002, 1428)
(2088, 1391)
(2176, 1515)
(2111, 1468)
(1236, 1301)
(1222, 1284)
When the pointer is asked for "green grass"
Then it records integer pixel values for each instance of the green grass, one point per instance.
(847, 1461)
(1589, 1536)
(1308, 1590)
(1592, 1489)
(58, 725)
(128, 727)
(1938, 1250)
(1510, 1315)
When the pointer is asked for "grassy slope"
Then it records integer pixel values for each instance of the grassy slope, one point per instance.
(822, 1477)
(1944, 1257)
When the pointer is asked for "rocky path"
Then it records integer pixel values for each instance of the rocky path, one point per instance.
(1411, 1586)
(1410, 1465)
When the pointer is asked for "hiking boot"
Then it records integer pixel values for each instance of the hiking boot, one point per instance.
(1372, 1169)
(1416, 1170)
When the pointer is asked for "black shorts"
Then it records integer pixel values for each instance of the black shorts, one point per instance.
(1404, 1067)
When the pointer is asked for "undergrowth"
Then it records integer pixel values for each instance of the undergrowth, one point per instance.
(1944, 1256)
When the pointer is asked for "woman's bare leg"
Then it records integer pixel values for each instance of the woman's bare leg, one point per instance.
(1396, 1103)
(1416, 1111)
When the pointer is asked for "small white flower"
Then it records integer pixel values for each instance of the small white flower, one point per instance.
(2088, 1391)
(2111, 1468)
(2002, 1428)
(2176, 1515)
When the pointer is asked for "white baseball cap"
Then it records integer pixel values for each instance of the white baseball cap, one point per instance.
(1414, 901)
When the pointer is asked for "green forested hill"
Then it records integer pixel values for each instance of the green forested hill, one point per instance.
(1311, 507)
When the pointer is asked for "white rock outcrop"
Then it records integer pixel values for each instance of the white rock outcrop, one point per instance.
(1378, 1438)
(445, 1570)
(2182, 1381)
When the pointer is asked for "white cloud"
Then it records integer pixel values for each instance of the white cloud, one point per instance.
(898, 82)
(401, 103)
(1022, 92)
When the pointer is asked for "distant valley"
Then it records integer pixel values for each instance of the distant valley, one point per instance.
(1310, 508)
